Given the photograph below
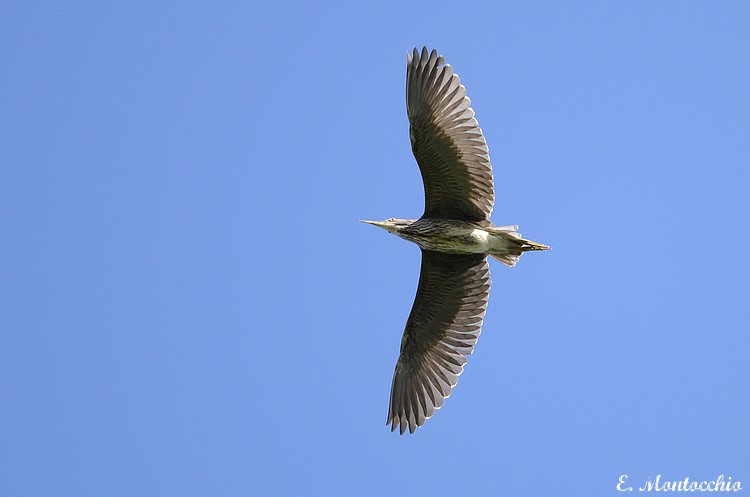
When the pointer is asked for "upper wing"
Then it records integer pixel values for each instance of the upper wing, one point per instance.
(441, 331)
(447, 141)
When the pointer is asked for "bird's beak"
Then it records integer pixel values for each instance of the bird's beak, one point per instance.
(379, 224)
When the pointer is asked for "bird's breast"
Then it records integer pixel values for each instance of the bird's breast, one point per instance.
(450, 237)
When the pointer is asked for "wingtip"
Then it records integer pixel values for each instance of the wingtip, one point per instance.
(402, 426)
(424, 52)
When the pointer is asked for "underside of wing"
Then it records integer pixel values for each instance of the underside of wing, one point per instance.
(442, 329)
(447, 142)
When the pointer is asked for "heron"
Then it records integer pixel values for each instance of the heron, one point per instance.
(455, 236)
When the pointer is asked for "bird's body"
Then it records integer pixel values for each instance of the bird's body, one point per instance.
(455, 235)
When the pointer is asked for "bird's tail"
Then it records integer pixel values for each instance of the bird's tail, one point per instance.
(509, 245)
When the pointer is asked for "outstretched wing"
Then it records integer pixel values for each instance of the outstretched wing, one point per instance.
(441, 331)
(447, 141)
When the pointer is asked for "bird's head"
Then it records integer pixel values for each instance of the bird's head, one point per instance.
(392, 225)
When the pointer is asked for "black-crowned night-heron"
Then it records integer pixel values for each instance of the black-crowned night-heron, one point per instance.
(455, 235)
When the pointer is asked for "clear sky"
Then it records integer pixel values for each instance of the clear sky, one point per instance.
(189, 307)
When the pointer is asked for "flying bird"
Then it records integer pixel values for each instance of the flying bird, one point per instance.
(455, 235)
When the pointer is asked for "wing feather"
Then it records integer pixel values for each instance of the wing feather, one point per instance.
(442, 330)
(447, 141)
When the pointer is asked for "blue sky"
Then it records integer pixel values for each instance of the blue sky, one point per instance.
(190, 307)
